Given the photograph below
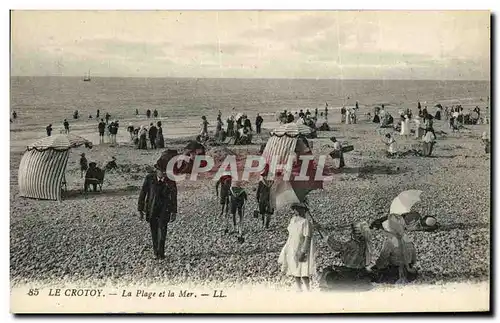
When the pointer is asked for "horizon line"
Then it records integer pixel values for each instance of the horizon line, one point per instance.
(258, 78)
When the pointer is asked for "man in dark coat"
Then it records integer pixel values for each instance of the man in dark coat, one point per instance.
(258, 123)
(66, 126)
(158, 200)
(153, 131)
(49, 130)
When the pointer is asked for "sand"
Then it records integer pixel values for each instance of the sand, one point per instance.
(101, 238)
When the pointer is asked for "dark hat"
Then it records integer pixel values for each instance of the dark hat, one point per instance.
(333, 139)
(165, 157)
(296, 206)
(161, 164)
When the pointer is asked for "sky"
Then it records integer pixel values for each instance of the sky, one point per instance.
(438, 45)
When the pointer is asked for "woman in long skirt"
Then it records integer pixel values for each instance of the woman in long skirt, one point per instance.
(297, 258)
(428, 143)
(160, 140)
(143, 138)
(398, 256)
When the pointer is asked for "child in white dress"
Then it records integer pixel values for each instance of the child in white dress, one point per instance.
(298, 258)
(391, 145)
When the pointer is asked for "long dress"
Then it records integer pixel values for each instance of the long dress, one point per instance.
(143, 140)
(392, 146)
(298, 229)
(405, 127)
(428, 143)
(160, 140)
(386, 268)
(347, 117)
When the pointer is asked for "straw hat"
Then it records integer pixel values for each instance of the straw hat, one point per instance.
(429, 221)
(236, 183)
(394, 224)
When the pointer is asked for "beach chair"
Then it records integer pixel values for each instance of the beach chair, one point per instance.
(96, 178)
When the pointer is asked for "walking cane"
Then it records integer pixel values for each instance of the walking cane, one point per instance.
(314, 221)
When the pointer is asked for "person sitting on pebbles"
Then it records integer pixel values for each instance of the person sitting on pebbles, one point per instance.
(355, 254)
(111, 164)
(414, 222)
(398, 256)
(391, 145)
(298, 256)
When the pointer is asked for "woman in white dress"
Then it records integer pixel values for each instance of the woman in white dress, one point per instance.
(405, 126)
(298, 258)
(418, 130)
(348, 116)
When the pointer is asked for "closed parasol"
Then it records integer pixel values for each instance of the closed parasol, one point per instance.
(404, 202)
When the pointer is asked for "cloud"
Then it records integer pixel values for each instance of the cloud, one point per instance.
(302, 25)
(110, 48)
(225, 48)
(322, 44)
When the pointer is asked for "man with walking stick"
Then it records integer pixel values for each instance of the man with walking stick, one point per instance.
(158, 201)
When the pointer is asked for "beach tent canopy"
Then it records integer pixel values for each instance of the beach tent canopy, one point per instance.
(292, 130)
(284, 141)
(59, 142)
(42, 166)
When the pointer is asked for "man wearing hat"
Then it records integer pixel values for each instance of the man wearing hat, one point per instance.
(158, 200)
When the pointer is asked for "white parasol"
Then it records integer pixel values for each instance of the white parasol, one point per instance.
(405, 201)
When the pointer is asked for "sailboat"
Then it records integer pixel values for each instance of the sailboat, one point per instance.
(86, 78)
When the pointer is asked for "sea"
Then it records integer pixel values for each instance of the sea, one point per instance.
(39, 101)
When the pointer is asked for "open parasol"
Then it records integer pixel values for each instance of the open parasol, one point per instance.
(405, 201)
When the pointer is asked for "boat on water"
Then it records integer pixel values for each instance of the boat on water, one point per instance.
(86, 78)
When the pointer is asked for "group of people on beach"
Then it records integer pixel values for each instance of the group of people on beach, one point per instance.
(423, 126)
(395, 264)
(238, 129)
(157, 202)
(142, 135)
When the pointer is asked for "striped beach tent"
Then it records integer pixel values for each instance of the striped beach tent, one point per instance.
(42, 167)
(285, 141)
